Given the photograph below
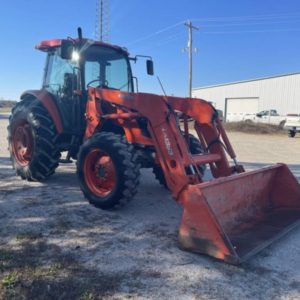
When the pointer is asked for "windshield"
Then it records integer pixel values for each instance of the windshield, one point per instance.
(107, 68)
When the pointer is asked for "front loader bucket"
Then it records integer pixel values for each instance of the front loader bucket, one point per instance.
(234, 217)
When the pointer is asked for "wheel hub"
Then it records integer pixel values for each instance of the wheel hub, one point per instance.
(99, 172)
(22, 144)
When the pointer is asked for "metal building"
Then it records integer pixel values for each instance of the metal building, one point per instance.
(236, 99)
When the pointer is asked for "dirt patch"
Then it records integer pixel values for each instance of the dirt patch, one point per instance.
(251, 127)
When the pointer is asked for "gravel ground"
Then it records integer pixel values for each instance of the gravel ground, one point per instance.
(54, 245)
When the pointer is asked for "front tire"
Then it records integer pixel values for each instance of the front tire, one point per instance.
(108, 170)
(31, 141)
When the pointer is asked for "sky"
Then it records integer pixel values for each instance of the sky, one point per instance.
(237, 39)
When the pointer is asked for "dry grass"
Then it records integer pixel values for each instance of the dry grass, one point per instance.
(246, 127)
(5, 110)
(256, 128)
(6, 106)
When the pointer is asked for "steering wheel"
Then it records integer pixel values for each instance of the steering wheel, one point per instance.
(100, 85)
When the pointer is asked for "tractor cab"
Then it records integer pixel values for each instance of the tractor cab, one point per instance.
(75, 65)
(101, 64)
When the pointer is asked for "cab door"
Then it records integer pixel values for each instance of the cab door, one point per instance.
(61, 80)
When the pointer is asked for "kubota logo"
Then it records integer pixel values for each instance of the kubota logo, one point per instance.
(167, 141)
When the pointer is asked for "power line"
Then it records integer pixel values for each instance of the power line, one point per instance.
(250, 24)
(154, 33)
(253, 31)
(253, 17)
(250, 21)
(169, 39)
(162, 42)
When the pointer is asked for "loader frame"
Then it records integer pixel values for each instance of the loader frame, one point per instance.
(179, 166)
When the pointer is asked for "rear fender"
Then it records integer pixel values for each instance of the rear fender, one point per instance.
(48, 102)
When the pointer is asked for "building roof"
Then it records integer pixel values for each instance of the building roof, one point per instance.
(243, 81)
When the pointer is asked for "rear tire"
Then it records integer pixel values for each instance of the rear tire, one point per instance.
(108, 170)
(31, 141)
(195, 148)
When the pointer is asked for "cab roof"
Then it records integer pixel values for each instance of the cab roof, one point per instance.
(49, 45)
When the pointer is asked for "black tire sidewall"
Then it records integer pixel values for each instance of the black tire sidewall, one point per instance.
(39, 167)
(18, 118)
(98, 141)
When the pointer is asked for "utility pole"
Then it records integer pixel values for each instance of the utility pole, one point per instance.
(190, 51)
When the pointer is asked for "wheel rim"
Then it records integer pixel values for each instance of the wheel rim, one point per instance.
(99, 173)
(22, 144)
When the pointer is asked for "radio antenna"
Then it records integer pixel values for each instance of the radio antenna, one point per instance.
(161, 86)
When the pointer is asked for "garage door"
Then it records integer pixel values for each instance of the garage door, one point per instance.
(237, 108)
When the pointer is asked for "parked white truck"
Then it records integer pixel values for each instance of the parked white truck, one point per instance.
(292, 124)
(266, 116)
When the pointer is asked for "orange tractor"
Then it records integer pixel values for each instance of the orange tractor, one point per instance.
(87, 107)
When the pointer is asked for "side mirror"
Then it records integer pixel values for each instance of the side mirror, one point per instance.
(66, 49)
(150, 67)
(259, 115)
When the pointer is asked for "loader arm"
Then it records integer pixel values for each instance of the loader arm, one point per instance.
(178, 164)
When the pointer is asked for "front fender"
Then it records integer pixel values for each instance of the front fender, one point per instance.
(48, 102)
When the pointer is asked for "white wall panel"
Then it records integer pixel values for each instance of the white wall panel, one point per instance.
(281, 93)
(237, 108)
